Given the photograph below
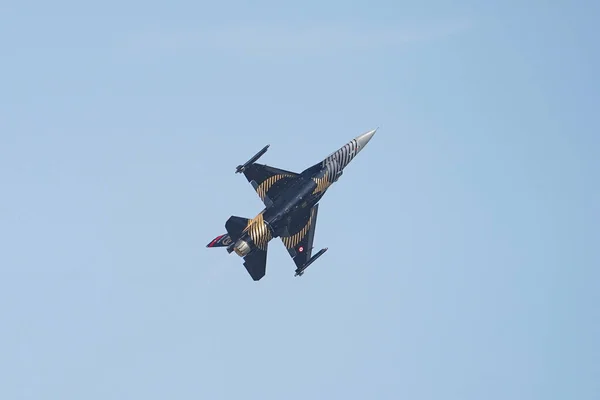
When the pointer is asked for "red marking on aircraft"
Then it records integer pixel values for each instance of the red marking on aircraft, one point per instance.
(215, 240)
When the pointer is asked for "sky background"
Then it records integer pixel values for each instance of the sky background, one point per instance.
(463, 241)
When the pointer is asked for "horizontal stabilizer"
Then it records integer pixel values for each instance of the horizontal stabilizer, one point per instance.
(235, 226)
(256, 264)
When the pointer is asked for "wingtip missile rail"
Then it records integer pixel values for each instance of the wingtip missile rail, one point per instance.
(241, 168)
(300, 270)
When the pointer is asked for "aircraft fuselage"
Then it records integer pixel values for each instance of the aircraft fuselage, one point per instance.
(291, 205)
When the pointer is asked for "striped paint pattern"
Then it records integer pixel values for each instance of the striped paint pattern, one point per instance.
(335, 163)
(264, 187)
(343, 156)
(292, 241)
(259, 231)
(322, 184)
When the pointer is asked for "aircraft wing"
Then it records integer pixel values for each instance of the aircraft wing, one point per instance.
(299, 235)
(268, 181)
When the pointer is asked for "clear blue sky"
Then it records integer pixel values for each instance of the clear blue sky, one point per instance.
(463, 241)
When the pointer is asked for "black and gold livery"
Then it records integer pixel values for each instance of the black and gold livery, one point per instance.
(291, 207)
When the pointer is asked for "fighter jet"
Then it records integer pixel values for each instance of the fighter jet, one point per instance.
(291, 205)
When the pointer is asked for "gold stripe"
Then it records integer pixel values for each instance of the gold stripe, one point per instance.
(258, 231)
(264, 187)
(322, 184)
(292, 241)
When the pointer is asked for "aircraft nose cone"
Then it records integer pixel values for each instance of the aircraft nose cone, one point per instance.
(364, 138)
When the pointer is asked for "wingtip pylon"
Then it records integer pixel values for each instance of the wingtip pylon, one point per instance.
(241, 168)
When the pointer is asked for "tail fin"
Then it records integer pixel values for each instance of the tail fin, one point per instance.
(220, 241)
(235, 226)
